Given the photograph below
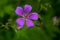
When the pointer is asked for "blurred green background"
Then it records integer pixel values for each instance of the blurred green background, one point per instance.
(46, 28)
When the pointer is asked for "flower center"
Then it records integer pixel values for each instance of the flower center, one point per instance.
(25, 16)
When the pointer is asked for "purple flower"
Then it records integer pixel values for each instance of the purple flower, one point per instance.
(54, 20)
(26, 16)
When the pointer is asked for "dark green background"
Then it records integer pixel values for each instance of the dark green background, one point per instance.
(44, 28)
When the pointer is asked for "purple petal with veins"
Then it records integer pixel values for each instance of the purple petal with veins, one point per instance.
(20, 22)
(33, 16)
(29, 23)
(19, 11)
(27, 8)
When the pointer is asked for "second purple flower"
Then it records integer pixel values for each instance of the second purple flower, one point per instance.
(26, 16)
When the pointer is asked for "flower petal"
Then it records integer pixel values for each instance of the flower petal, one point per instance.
(19, 11)
(20, 22)
(29, 23)
(19, 27)
(27, 8)
(33, 16)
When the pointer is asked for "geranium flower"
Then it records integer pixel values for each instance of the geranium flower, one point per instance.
(26, 16)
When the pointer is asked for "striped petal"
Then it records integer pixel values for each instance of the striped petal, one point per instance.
(27, 8)
(29, 23)
(33, 16)
(20, 22)
(19, 11)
